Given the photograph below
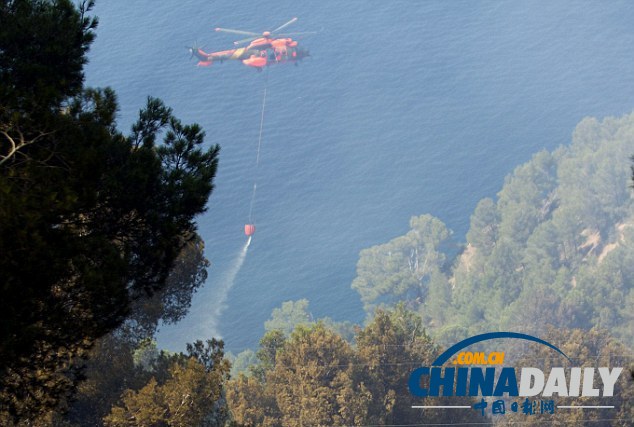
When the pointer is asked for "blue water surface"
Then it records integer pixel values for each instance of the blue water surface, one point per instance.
(404, 108)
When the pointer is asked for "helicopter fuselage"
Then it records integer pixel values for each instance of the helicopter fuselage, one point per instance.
(260, 53)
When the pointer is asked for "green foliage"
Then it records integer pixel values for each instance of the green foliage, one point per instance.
(294, 313)
(318, 378)
(240, 364)
(345, 329)
(91, 221)
(272, 342)
(252, 403)
(287, 317)
(145, 355)
(484, 230)
(128, 357)
(170, 303)
(555, 247)
(42, 54)
(190, 394)
(311, 373)
(402, 268)
(308, 369)
(109, 370)
(390, 346)
(587, 348)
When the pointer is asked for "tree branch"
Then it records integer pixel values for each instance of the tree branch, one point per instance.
(16, 146)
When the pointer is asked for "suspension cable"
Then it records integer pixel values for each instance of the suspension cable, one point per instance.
(257, 159)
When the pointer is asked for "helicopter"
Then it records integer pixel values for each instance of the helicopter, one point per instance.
(264, 49)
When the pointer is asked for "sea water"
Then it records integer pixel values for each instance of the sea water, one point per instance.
(403, 108)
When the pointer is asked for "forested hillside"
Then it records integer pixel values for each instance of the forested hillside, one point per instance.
(556, 246)
(315, 377)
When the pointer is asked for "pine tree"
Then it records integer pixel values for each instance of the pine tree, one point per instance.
(91, 220)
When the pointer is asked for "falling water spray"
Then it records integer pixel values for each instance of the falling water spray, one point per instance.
(219, 297)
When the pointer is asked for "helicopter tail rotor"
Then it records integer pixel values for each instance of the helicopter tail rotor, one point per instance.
(193, 49)
(204, 60)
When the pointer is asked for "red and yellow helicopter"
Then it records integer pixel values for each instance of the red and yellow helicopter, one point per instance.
(267, 48)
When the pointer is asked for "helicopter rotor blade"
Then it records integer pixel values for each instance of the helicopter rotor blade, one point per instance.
(296, 34)
(245, 40)
(284, 25)
(227, 30)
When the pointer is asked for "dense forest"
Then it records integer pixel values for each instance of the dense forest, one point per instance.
(555, 247)
(98, 245)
